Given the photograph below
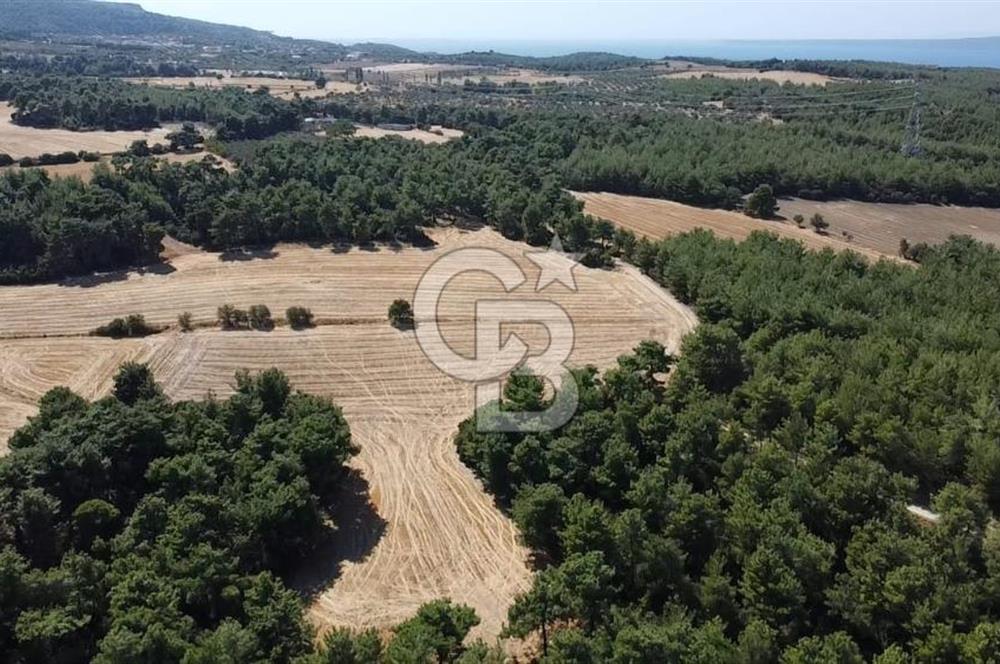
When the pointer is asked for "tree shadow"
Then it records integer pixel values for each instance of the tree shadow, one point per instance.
(244, 254)
(353, 530)
(101, 278)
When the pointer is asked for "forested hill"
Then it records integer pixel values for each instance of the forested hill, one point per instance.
(89, 18)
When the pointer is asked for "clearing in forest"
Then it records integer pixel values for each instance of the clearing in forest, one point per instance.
(18, 141)
(780, 76)
(286, 88)
(85, 169)
(657, 218)
(420, 526)
(436, 134)
(880, 226)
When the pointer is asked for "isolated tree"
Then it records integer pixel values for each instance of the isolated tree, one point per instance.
(401, 314)
(435, 634)
(904, 248)
(259, 317)
(799, 220)
(185, 322)
(761, 203)
(320, 82)
(134, 382)
(818, 223)
(299, 317)
(231, 318)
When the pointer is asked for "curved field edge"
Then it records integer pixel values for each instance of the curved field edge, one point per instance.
(428, 528)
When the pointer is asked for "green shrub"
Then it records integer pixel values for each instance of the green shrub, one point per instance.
(299, 317)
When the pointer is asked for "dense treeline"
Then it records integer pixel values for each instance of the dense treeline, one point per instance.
(860, 69)
(87, 103)
(50, 228)
(95, 63)
(753, 508)
(133, 529)
(582, 61)
(338, 190)
(714, 162)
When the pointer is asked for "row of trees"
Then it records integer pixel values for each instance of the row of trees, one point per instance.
(305, 189)
(86, 103)
(753, 508)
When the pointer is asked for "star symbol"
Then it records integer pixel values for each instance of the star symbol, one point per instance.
(556, 265)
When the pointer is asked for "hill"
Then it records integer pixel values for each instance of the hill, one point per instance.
(89, 18)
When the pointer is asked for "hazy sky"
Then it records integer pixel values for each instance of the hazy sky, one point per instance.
(351, 20)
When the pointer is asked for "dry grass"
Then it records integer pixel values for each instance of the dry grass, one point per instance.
(437, 134)
(777, 75)
(434, 531)
(85, 170)
(656, 218)
(30, 142)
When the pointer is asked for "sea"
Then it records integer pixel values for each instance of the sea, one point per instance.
(975, 52)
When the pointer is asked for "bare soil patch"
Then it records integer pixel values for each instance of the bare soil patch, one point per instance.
(435, 532)
(656, 218)
(20, 141)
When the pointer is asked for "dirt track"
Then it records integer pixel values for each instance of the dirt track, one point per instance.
(429, 530)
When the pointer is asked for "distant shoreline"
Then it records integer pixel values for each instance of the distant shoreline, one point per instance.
(959, 52)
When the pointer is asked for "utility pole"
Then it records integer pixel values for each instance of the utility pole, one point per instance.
(911, 137)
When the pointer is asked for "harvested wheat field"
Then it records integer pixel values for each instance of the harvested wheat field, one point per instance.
(424, 528)
(881, 226)
(656, 218)
(779, 76)
(530, 76)
(20, 141)
(437, 134)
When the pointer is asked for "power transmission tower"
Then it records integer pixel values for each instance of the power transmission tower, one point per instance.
(911, 137)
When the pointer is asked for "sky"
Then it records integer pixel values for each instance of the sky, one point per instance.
(590, 20)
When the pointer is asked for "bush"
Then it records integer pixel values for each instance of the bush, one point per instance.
(761, 204)
(818, 223)
(401, 315)
(133, 325)
(6, 159)
(89, 156)
(799, 220)
(26, 162)
(184, 322)
(260, 317)
(299, 317)
(231, 318)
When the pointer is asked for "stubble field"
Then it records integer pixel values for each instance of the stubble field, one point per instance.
(870, 229)
(423, 527)
(20, 141)
(656, 218)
